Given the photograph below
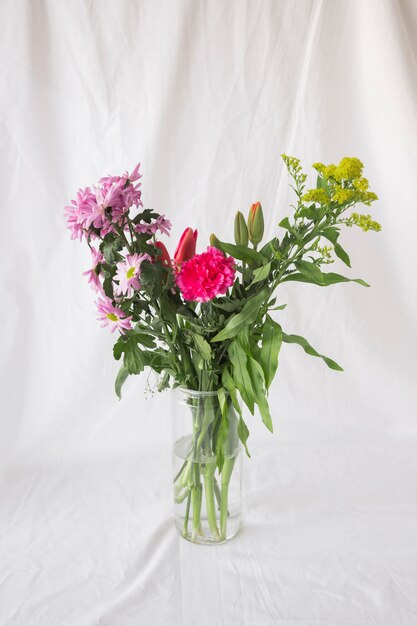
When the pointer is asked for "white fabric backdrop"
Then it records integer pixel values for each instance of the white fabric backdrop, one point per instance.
(206, 95)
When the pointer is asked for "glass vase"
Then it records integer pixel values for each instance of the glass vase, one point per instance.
(207, 465)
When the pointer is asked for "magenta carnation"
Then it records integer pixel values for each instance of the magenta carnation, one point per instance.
(206, 275)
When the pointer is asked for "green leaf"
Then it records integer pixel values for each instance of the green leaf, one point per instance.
(309, 212)
(243, 253)
(270, 248)
(120, 380)
(152, 278)
(328, 279)
(241, 376)
(311, 270)
(247, 316)
(145, 340)
(261, 273)
(243, 432)
(229, 385)
(285, 223)
(332, 235)
(342, 254)
(202, 346)
(108, 287)
(227, 305)
(258, 381)
(331, 279)
(310, 350)
(169, 308)
(322, 184)
(133, 356)
(109, 247)
(271, 345)
(118, 348)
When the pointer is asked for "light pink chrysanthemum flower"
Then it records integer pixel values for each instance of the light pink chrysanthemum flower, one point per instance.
(125, 194)
(206, 275)
(113, 317)
(161, 223)
(79, 212)
(128, 273)
(104, 206)
(93, 273)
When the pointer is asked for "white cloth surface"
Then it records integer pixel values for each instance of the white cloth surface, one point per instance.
(207, 95)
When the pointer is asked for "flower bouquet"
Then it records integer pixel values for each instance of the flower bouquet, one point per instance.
(205, 322)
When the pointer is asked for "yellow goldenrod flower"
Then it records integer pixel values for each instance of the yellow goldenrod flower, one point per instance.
(344, 195)
(349, 167)
(316, 195)
(365, 222)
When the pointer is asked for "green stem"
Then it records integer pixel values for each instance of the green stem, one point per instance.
(197, 494)
(187, 514)
(210, 504)
(226, 475)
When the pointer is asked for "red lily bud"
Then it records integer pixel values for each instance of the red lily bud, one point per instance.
(163, 255)
(186, 246)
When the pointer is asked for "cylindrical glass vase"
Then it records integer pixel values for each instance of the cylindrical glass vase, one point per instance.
(207, 464)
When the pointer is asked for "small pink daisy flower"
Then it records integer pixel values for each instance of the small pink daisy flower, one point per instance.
(206, 275)
(128, 273)
(94, 272)
(112, 316)
(161, 223)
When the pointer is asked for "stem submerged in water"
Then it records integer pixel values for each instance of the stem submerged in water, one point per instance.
(210, 504)
(225, 480)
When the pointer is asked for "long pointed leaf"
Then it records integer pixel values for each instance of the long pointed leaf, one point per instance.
(328, 279)
(120, 380)
(258, 381)
(239, 321)
(301, 341)
(271, 345)
(241, 376)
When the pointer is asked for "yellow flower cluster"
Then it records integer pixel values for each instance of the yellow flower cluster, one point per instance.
(291, 162)
(348, 168)
(325, 252)
(363, 221)
(316, 195)
(344, 195)
(344, 182)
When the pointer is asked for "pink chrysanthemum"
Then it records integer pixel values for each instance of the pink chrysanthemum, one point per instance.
(94, 272)
(128, 273)
(161, 223)
(103, 206)
(206, 275)
(112, 316)
(79, 211)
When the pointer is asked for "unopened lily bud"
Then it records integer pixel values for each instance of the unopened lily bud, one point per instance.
(186, 246)
(256, 223)
(214, 241)
(163, 254)
(241, 230)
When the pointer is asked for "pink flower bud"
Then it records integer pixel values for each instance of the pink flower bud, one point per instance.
(186, 246)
